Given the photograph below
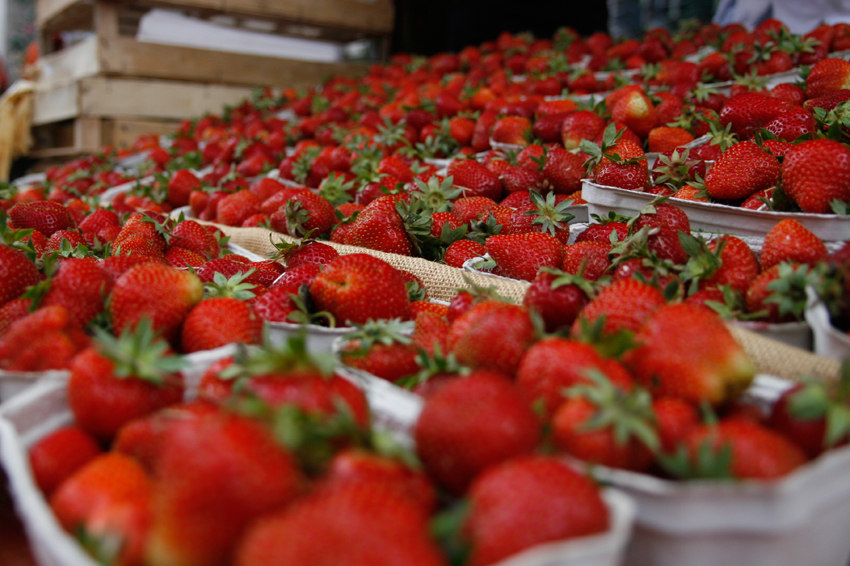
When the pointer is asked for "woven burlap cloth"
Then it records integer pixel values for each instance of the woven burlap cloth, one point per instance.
(443, 282)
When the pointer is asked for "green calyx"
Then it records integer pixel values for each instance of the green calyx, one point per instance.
(139, 352)
(234, 287)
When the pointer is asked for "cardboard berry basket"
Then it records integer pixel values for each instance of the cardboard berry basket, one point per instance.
(829, 342)
(44, 408)
(13, 382)
(801, 519)
(709, 217)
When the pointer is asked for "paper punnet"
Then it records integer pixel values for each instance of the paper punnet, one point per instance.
(44, 408)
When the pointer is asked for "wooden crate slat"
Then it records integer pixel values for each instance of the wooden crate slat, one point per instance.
(87, 134)
(56, 104)
(101, 96)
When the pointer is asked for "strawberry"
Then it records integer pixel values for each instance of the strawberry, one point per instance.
(122, 379)
(790, 241)
(360, 466)
(735, 265)
(742, 170)
(152, 290)
(217, 472)
(97, 220)
(630, 176)
(754, 451)
(750, 111)
(563, 170)
(305, 212)
(16, 273)
(636, 112)
(455, 436)
(513, 130)
(581, 125)
(492, 335)
(625, 305)
(475, 179)
(396, 167)
(792, 124)
(45, 216)
(381, 349)
(180, 187)
(68, 239)
(717, 367)
(357, 287)
(588, 259)
(809, 414)
(554, 364)
(81, 287)
(816, 174)
(518, 178)
(220, 320)
(358, 524)
(470, 208)
(529, 501)
(556, 298)
(107, 503)
(58, 455)
(432, 329)
(827, 76)
(193, 236)
(42, 340)
(602, 232)
(778, 293)
(520, 255)
(13, 311)
(664, 138)
(277, 304)
(601, 424)
(380, 227)
(547, 128)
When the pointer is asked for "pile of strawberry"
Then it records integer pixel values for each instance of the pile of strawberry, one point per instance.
(276, 462)
(614, 388)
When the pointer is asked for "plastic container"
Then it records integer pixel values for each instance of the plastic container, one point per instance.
(13, 382)
(718, 218)
(829, 342)
(44, 408)
(801, 519)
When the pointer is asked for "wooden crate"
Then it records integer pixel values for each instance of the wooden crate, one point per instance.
(124, 57)
(87, 134)
(363, 17)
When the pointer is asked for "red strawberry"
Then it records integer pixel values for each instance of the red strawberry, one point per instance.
(455, 434)
(635, 111)
(108, 499)
(581, 125)
(45, 216)
(625, 304)
(513, 130)
(13, 311)
(602, 232)
(564, 170)
(42, 340)
(218, 321)
(520, 179)
(491, 335)
(380, 227)
(358, 524)
(305, 212)
(750, 111)
(152, 290)
(664, 138)
(742, 170)
(381, 350)
(180, 187)
(358, 287)
(587, 258)
(816, 173)
(716, 367)
(58, 455)
(475, 179)
(98, 220)
(827, 76)
(738, 264)
(193, 236)
(790, 241)
(520, 255)
(552, 365)
(557, 298)
(528, 501)
(123, 379)
(16, 273)
(217, 473)
(599, 425)
(756, 451)
(81, 287)
(470, 208)
(792, 124)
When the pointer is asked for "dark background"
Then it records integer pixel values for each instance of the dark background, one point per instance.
(430, 26)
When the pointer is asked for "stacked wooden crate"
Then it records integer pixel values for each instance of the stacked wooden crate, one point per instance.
(109, 88)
